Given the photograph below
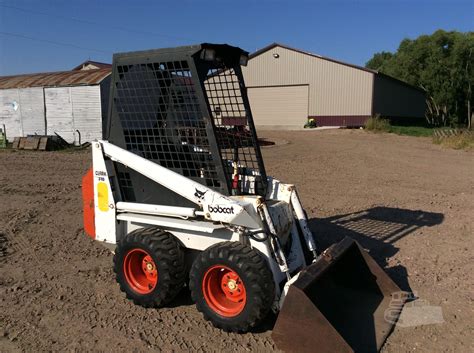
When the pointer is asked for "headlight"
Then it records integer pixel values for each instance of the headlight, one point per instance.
(208, 54)
(244, 59)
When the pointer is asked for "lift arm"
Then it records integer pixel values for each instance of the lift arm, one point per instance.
(215, 206)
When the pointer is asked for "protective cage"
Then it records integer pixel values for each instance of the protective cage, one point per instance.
(186, 109)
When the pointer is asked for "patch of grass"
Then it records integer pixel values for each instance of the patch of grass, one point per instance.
(377, 124)
(411, 130)
(458, 142)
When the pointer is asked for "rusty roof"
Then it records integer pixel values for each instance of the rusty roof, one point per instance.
(55, 79)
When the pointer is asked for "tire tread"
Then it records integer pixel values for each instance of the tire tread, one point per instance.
(172, 268)
(259, 281)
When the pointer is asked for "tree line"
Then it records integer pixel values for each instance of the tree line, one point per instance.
(443, 65)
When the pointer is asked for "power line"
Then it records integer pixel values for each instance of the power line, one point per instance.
(79, 20)
(83, 21)
(53, 42)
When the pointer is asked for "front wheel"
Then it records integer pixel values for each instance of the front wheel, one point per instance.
(232, 286)
(149, 266)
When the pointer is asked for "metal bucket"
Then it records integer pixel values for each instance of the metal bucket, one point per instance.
(344, 302)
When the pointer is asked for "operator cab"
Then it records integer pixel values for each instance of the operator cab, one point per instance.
(186, 109)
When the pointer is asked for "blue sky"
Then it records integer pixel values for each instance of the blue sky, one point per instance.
(350, 31)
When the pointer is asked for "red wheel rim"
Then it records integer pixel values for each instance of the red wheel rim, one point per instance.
(224, 291)
(140, 271)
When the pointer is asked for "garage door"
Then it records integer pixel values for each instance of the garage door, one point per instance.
(283, 107)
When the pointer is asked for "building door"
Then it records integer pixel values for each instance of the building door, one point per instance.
(282, 107)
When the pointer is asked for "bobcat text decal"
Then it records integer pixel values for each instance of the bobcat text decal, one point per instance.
(219, 209)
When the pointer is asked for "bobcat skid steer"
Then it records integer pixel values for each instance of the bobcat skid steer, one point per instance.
(178, 190)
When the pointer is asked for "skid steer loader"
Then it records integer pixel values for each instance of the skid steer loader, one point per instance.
(178, 191)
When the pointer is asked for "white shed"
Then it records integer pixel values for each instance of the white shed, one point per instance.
(71, 104)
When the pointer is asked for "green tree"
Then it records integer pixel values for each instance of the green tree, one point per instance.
(440, 63)
(378, 60)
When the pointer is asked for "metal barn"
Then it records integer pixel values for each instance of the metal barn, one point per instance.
(287, 86)
(69, 103)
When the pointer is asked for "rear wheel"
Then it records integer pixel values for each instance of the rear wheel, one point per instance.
(232, 286)
(149, 266)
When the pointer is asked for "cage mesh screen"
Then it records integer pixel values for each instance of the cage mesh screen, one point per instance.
(161, 118)
(232, 128)
(126, 186)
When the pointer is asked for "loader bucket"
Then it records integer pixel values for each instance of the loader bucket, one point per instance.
(344, 302)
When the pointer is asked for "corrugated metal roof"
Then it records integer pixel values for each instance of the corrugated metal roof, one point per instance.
(55, 79)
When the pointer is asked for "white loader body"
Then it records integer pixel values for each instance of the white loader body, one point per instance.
(215, 219)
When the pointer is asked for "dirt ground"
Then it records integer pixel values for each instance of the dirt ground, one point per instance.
(411, 203)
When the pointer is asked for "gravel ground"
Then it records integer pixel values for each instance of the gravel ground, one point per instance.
(406, 200)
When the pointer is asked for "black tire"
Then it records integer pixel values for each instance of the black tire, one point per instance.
(168, 260)
(254, 273)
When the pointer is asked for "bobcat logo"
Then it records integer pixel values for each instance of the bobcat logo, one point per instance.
(220, 209)
(199, 194)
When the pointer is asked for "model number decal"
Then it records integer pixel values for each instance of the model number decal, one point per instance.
(220, 209)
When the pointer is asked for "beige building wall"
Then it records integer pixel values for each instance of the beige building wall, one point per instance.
(334, 89)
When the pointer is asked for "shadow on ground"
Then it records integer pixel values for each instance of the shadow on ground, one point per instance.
(182, 299)
(377, 230)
